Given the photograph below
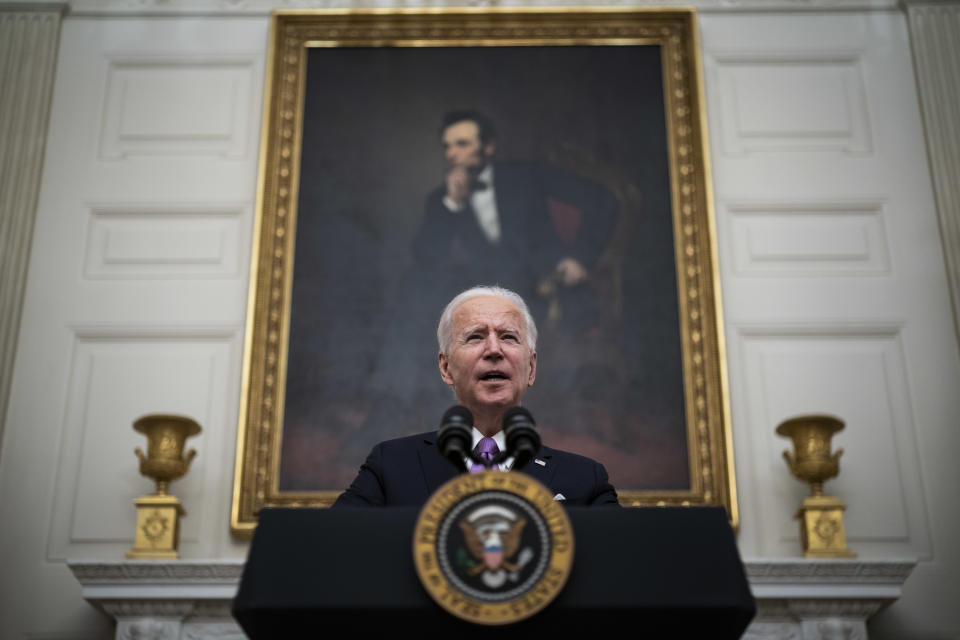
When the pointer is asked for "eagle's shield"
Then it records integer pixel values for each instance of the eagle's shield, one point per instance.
(493, 557)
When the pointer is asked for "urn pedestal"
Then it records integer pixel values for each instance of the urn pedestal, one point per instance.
(821, 517)
(158, 514)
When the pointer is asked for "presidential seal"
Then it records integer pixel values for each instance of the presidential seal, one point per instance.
(493, 547)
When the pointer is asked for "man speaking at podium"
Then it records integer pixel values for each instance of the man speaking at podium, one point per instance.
(488, 356)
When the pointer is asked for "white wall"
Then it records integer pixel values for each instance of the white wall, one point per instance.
(833, 278)
(135, 299)
(835, 295)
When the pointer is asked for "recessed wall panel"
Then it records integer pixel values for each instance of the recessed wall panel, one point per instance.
(183, 106)
(857, 374)
(808, 239)
(792, 101)
(154, 241)
(115, 379)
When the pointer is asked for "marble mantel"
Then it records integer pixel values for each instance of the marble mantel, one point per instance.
(802, 599)
(797, 598)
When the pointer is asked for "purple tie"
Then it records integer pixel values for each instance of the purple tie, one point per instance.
(487, 449)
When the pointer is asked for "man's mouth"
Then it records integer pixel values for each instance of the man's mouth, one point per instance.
(494, 375)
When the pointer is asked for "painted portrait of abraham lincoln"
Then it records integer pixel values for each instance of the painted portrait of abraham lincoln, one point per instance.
(427, 170)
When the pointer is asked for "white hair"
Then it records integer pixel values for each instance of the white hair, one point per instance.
(445, 328)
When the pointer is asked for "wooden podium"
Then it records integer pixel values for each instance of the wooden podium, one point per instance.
(649, 572)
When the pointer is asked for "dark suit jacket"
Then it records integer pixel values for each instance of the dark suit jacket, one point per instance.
(531, 244)
(406, 471)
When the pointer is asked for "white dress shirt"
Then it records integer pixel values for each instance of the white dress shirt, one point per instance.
(501, 441)
(484, 205)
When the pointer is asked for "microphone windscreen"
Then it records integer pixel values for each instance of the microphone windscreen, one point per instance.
(453, 437)
(517, 415)
(457, 414)
(522, 439)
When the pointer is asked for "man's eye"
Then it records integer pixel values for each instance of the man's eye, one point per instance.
(511, 337)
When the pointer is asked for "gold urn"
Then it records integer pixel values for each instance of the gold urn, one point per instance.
(158, 514)
(821, 530)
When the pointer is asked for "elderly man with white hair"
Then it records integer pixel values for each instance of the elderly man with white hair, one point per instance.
(488, 356)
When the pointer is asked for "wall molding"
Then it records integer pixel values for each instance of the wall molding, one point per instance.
(264, 7)
(844, 126)
(824, 329)
(164, 241)
(191, 105)
(101, 358)
(29, 39)
(107, 575)
(935, 40)
(785, 571)
(821, 238)
(796, 597)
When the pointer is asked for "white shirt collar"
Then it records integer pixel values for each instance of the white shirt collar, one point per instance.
(501, 441)
(498, 437)
(486, 175)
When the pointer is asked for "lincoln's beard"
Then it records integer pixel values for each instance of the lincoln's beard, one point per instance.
(475, 170)
(482, 160)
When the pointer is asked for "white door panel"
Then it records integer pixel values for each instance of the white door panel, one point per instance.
(835, 295)
(135, 300)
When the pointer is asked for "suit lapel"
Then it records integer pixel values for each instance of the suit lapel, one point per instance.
(510, 204)
(471, 234)
(543, 473)
(436, 468)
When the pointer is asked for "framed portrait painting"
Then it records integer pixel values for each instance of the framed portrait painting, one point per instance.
(586, 133)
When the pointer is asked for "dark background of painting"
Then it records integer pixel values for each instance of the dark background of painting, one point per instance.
(358, 373)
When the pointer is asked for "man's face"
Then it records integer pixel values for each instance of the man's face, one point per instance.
(489, 364)
(462, 146)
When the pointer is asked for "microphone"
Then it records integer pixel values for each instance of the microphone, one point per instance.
(520, 433)
(454, 436)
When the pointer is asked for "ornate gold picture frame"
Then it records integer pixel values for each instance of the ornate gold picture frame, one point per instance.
(347, 283)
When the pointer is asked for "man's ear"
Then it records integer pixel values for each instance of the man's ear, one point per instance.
(444, 365)
(533, 369)
(489, 149)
